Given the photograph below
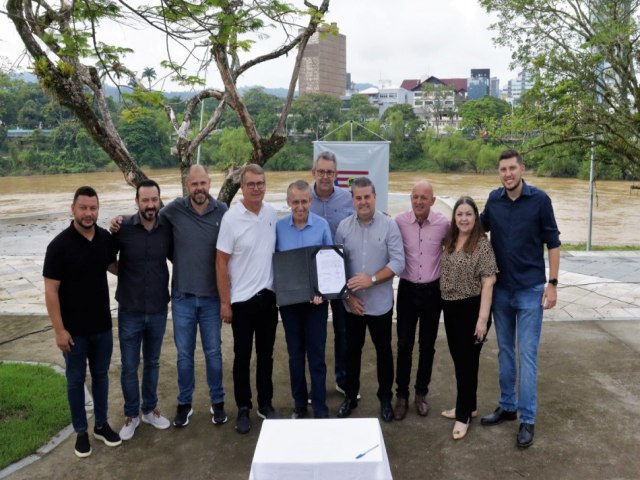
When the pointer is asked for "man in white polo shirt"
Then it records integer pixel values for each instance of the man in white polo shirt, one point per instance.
(246, 243)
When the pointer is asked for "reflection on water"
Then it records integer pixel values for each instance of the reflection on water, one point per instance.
(38, 199)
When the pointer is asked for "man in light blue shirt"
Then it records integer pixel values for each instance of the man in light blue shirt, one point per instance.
(305, 324)
(375, 254)
(334, 205)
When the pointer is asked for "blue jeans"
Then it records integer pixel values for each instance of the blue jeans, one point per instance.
(188, 312)
(96, 349)
(518, 314)
(136, 331)
(305, 328)
(339, 320)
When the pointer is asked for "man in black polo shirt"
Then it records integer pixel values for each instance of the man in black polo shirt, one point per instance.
(145, 243)
(77, 298)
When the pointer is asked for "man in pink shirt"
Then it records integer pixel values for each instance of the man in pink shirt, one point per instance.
(423, 231)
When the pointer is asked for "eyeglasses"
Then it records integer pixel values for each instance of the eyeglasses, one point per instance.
(253, 185)
(325, 173)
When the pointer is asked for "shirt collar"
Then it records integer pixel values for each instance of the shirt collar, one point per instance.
(526, 191)
(308, 224)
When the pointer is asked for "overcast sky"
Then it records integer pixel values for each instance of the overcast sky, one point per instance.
(386, 40)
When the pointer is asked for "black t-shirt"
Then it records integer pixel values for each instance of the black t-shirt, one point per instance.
(81, 267)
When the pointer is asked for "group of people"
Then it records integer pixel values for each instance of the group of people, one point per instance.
(223, 273)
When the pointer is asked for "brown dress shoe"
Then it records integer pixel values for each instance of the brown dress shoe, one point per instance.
(400, 410)
(422, 407)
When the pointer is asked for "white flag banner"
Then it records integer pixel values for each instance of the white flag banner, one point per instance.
(360, 159)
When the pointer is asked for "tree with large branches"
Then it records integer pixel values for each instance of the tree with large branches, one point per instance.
(585, 55)
(73, 63)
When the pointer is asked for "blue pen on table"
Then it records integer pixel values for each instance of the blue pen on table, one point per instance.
(360, 455)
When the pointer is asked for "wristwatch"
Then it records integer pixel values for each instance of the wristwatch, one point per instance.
(553, 281)
(374, 280)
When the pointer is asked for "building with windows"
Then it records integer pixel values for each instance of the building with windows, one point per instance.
(479, 83)
(518, 86)
(494, 87)
(436, 100)
(324, 64)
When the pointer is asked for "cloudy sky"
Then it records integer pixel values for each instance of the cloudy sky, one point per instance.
(386, 40)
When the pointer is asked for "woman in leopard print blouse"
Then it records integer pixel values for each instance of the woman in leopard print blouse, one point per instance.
(468, 275)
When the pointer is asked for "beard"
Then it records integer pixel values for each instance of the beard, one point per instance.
(196, 200)
(149, 214)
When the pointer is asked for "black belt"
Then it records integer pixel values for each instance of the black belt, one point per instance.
(419, 286)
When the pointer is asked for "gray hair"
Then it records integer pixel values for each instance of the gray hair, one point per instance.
(299, 185)
(326, 155)
(253, 168)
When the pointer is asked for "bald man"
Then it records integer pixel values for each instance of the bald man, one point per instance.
(423, 231)
(195, 220)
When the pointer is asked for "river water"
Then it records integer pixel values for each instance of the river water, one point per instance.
(33, 209)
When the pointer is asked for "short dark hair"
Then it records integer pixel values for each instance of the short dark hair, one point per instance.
(510, 154)
(85, 191)
(147, 183)
(361, 182)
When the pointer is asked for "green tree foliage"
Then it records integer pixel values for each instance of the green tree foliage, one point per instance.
(361, 110)
(481, 115)
(146, 136)
(585, 57)
(63, 41)
(315, 111)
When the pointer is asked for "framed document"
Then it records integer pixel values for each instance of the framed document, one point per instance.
(302, 273)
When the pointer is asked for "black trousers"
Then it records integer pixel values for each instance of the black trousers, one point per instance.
(259, 316)
(380, 331)
(460, 318)
(417, 304)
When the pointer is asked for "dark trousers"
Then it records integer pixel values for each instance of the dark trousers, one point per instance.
(257, 315)
(417, 304)
(460, 317)
(96, 350)
(380, 331)
(305, 328)
(339, 316)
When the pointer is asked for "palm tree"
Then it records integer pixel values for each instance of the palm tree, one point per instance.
(150, 74)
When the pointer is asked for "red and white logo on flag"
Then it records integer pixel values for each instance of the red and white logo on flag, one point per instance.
(345, 177)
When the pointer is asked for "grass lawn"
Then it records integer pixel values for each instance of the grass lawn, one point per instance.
(599, 248)
(33, 408)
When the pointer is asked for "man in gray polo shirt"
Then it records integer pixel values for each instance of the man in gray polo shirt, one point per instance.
(195, 220)
(375, 254)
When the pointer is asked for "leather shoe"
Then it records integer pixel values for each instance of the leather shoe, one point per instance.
(498, 416)
(525, 435)
(400, 410)
(422, 407)
(347, 406)
(386, 412)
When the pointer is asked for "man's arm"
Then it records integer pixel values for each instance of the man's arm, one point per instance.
(113, 268)
(52, 300)
(550, 297)
(224, 288)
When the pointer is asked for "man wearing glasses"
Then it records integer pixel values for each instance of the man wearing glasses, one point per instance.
(244, 271)
(334, 205)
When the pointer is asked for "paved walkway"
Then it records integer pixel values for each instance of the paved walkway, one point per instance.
(593, 286)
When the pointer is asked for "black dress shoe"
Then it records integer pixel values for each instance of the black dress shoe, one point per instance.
(347, 406)
(386, 412)
(525, 435)
(498, 416)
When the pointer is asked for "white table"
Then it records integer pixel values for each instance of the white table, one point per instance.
(330, 449)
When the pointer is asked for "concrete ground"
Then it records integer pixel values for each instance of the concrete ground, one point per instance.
(588, 424)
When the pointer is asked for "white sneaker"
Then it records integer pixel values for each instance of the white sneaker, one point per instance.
(154, 418)
(129, 428)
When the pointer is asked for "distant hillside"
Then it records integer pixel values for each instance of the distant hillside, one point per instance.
(111, 91)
